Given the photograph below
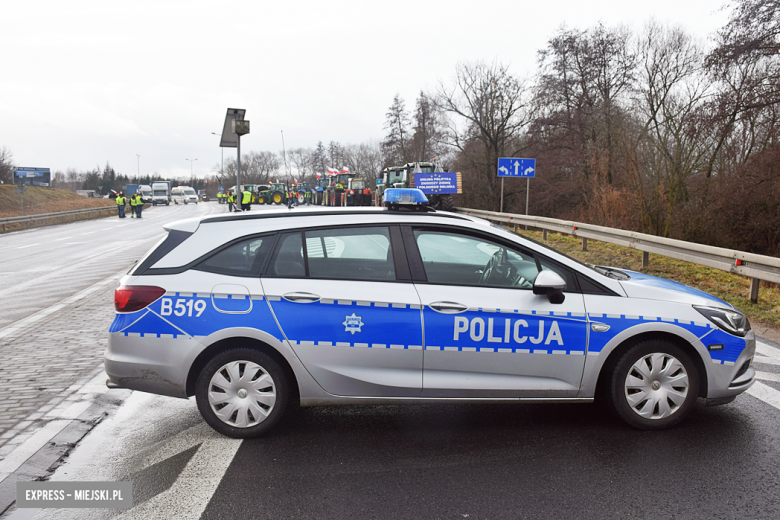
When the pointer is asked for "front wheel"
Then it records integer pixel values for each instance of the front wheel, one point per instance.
(277, 197)
(242, 393)
(654, 385)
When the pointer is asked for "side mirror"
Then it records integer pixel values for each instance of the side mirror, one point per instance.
(551, 284)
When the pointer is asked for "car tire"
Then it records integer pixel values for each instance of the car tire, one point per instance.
(654, 385)
(238, 374)
(447, 204)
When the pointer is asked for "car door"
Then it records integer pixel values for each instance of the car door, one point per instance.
(345, 302)
(486, 333)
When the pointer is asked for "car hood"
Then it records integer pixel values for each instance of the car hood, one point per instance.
(654, 288)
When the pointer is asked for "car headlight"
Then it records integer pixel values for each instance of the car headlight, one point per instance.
(731, 321)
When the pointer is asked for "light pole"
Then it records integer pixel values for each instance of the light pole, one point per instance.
(139, 168)
(191, 175)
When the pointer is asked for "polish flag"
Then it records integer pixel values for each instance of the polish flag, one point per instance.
(318, 175)
(346, 170)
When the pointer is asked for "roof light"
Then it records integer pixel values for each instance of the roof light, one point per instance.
(409, 197)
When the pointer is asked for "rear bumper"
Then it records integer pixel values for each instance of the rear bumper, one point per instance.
(149, 363)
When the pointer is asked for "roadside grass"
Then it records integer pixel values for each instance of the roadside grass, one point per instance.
(44, 200)
(731, 288)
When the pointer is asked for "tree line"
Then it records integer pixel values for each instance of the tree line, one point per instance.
(651, 131)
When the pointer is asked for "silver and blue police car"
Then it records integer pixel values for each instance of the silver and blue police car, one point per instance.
(255, 313)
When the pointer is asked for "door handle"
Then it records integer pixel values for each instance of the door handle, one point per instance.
(448, 307)
(301, 297)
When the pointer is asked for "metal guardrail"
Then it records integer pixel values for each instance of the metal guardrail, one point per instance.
(60, 214)
(757, 267)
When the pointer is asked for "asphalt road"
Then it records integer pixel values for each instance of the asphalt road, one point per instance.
(447, 461)
(41, 266)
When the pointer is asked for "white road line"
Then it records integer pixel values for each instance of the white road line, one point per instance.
(58, 239)
(18, 325)
(766, 360)
(84, 234)
(767, 350)
(195, 486)
(31, 245)
(75, 243)
(768, 376)
(766, 393)
(39, 439)
(57, 273)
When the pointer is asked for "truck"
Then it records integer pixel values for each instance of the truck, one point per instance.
(403, 177)
(161, 193)
(129, 189)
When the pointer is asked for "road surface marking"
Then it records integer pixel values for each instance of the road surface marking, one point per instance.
(189, 496)
(84, 234)
(768, 376)
(766, 393)
(39, 439)
(31, 245)
(24, 322)
(58, 239)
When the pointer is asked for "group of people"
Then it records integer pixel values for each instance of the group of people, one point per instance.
(135, 201)
(244, 200)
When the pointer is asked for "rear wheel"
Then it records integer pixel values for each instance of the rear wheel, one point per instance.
(277, 197)
(654, 385)
(242, 393)
(447, 204)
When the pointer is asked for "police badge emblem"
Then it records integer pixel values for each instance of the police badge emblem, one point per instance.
(352, 323)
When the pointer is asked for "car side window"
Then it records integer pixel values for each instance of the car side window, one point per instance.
(359, 253)
(288, 257)
(244, 258)
(453, 258)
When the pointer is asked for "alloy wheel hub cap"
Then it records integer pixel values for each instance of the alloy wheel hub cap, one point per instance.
(242, 393)
(656, 386)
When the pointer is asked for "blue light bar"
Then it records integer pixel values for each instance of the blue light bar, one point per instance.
(404, 197)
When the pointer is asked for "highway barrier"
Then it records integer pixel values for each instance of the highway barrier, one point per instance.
(58, 217)
(756, 267)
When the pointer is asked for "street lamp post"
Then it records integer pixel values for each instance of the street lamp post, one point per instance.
(191, 174)
(139, 168)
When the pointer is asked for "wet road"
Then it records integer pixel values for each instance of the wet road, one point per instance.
(449, 461)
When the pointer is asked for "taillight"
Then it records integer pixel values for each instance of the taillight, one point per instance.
(131, 298)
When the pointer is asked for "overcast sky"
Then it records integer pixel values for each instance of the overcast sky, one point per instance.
(85, 82)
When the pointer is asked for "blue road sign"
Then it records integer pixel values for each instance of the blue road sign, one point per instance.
(515, 167)
(436, 182)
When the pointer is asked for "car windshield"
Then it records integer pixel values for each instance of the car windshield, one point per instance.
(189, 191)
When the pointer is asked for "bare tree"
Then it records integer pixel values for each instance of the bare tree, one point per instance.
(301, 160)
(6, 166)
(489, 106)
(365, 160)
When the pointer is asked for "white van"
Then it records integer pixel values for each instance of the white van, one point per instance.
(184, 195)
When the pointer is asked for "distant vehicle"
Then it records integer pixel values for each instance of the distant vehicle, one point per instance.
(403, 177)
(130, 189)
(146, 193)
(161, 192)
(184, 195)
(202, 196)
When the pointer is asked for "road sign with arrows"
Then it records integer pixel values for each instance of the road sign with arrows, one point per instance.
(516, 167)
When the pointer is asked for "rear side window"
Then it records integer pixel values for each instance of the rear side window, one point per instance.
(360, 253)
(243, 258)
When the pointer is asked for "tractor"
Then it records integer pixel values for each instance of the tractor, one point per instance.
(274, 193)
(403, 177)
(357, 192)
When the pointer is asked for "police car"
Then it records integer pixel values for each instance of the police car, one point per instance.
(255, 313)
